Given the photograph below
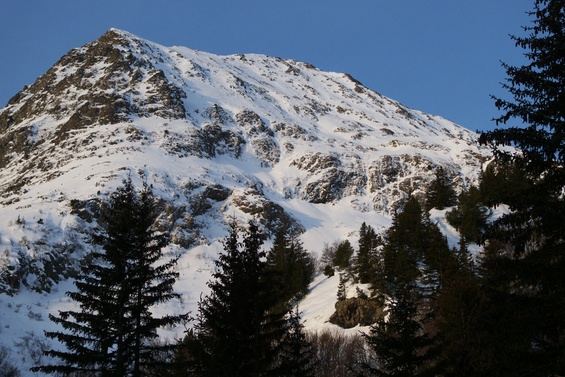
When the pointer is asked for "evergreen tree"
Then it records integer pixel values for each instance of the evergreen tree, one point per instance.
(329, 271)
(236, 334)
(289, 268)
(116, 289)
(440, 193)
(298, 356)
(414, 250)
(401, 346)
(458, 315)
(524, 263)
(411, 273)
(470, 216)
(343, 254)
(341, 294)
(364, 264)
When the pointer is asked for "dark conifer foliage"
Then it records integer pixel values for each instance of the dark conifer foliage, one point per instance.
(245, 326)
(536, 106)
(113, 331)
(504, 182)
(341, 293)
(440, 193)
(329, 271)
(401, 346)
(297, 353)
(412, 246)
(525, 259)
(457, 318)
(343, 254)
(236, 333)
(470, 216)
(365, 261)
(289, 267)
(411, 273)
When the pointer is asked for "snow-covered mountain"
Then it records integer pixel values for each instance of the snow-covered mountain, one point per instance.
(218, 137)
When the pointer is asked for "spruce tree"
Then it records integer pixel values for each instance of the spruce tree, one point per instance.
(440, 193)
(470, 216)
(289, 268)
(343, 254)
(115, 291)
(458, 315)
(412, 246)
(341, 293)
(236, 333)
(410, 276)
(401, 346)
(364, 264)
(298, 356)
(524, 263)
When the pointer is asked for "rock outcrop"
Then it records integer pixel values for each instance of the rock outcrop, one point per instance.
(356, 311)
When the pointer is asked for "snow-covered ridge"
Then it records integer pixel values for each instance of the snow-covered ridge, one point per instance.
(249, 136)
(253, 107)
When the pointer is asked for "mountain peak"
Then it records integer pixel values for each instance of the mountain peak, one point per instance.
(120, 32)
(250, 136)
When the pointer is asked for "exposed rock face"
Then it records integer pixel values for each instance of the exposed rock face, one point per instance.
(271, 215)
(333, 176)
(104, 82)
(356, 311)
(246, 136)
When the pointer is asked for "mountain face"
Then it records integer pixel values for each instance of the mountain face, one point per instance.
(218, 137)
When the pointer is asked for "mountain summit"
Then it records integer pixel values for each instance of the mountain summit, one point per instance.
(218, 137)
(319, 136)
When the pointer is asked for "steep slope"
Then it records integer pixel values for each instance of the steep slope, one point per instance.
(122, 93)
(218, 137)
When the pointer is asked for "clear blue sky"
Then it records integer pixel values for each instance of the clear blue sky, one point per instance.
(439, 56)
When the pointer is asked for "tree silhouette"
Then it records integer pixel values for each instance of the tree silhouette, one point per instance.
(112, 332)
(289, 268)
(440, 193)
(411, 273)
(237, 333)
(524, 262)
(364, 263)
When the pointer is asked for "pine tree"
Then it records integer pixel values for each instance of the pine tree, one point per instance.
(364, 264)
(289, 268)
(398, 340)
(440, 193)
(341, 294)
(116, 289)
(458, 313)
(470, 216)
(236, 334)
(411, 273)
(524, 264)
(411, 244)
(343, 254)
(298, 357)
